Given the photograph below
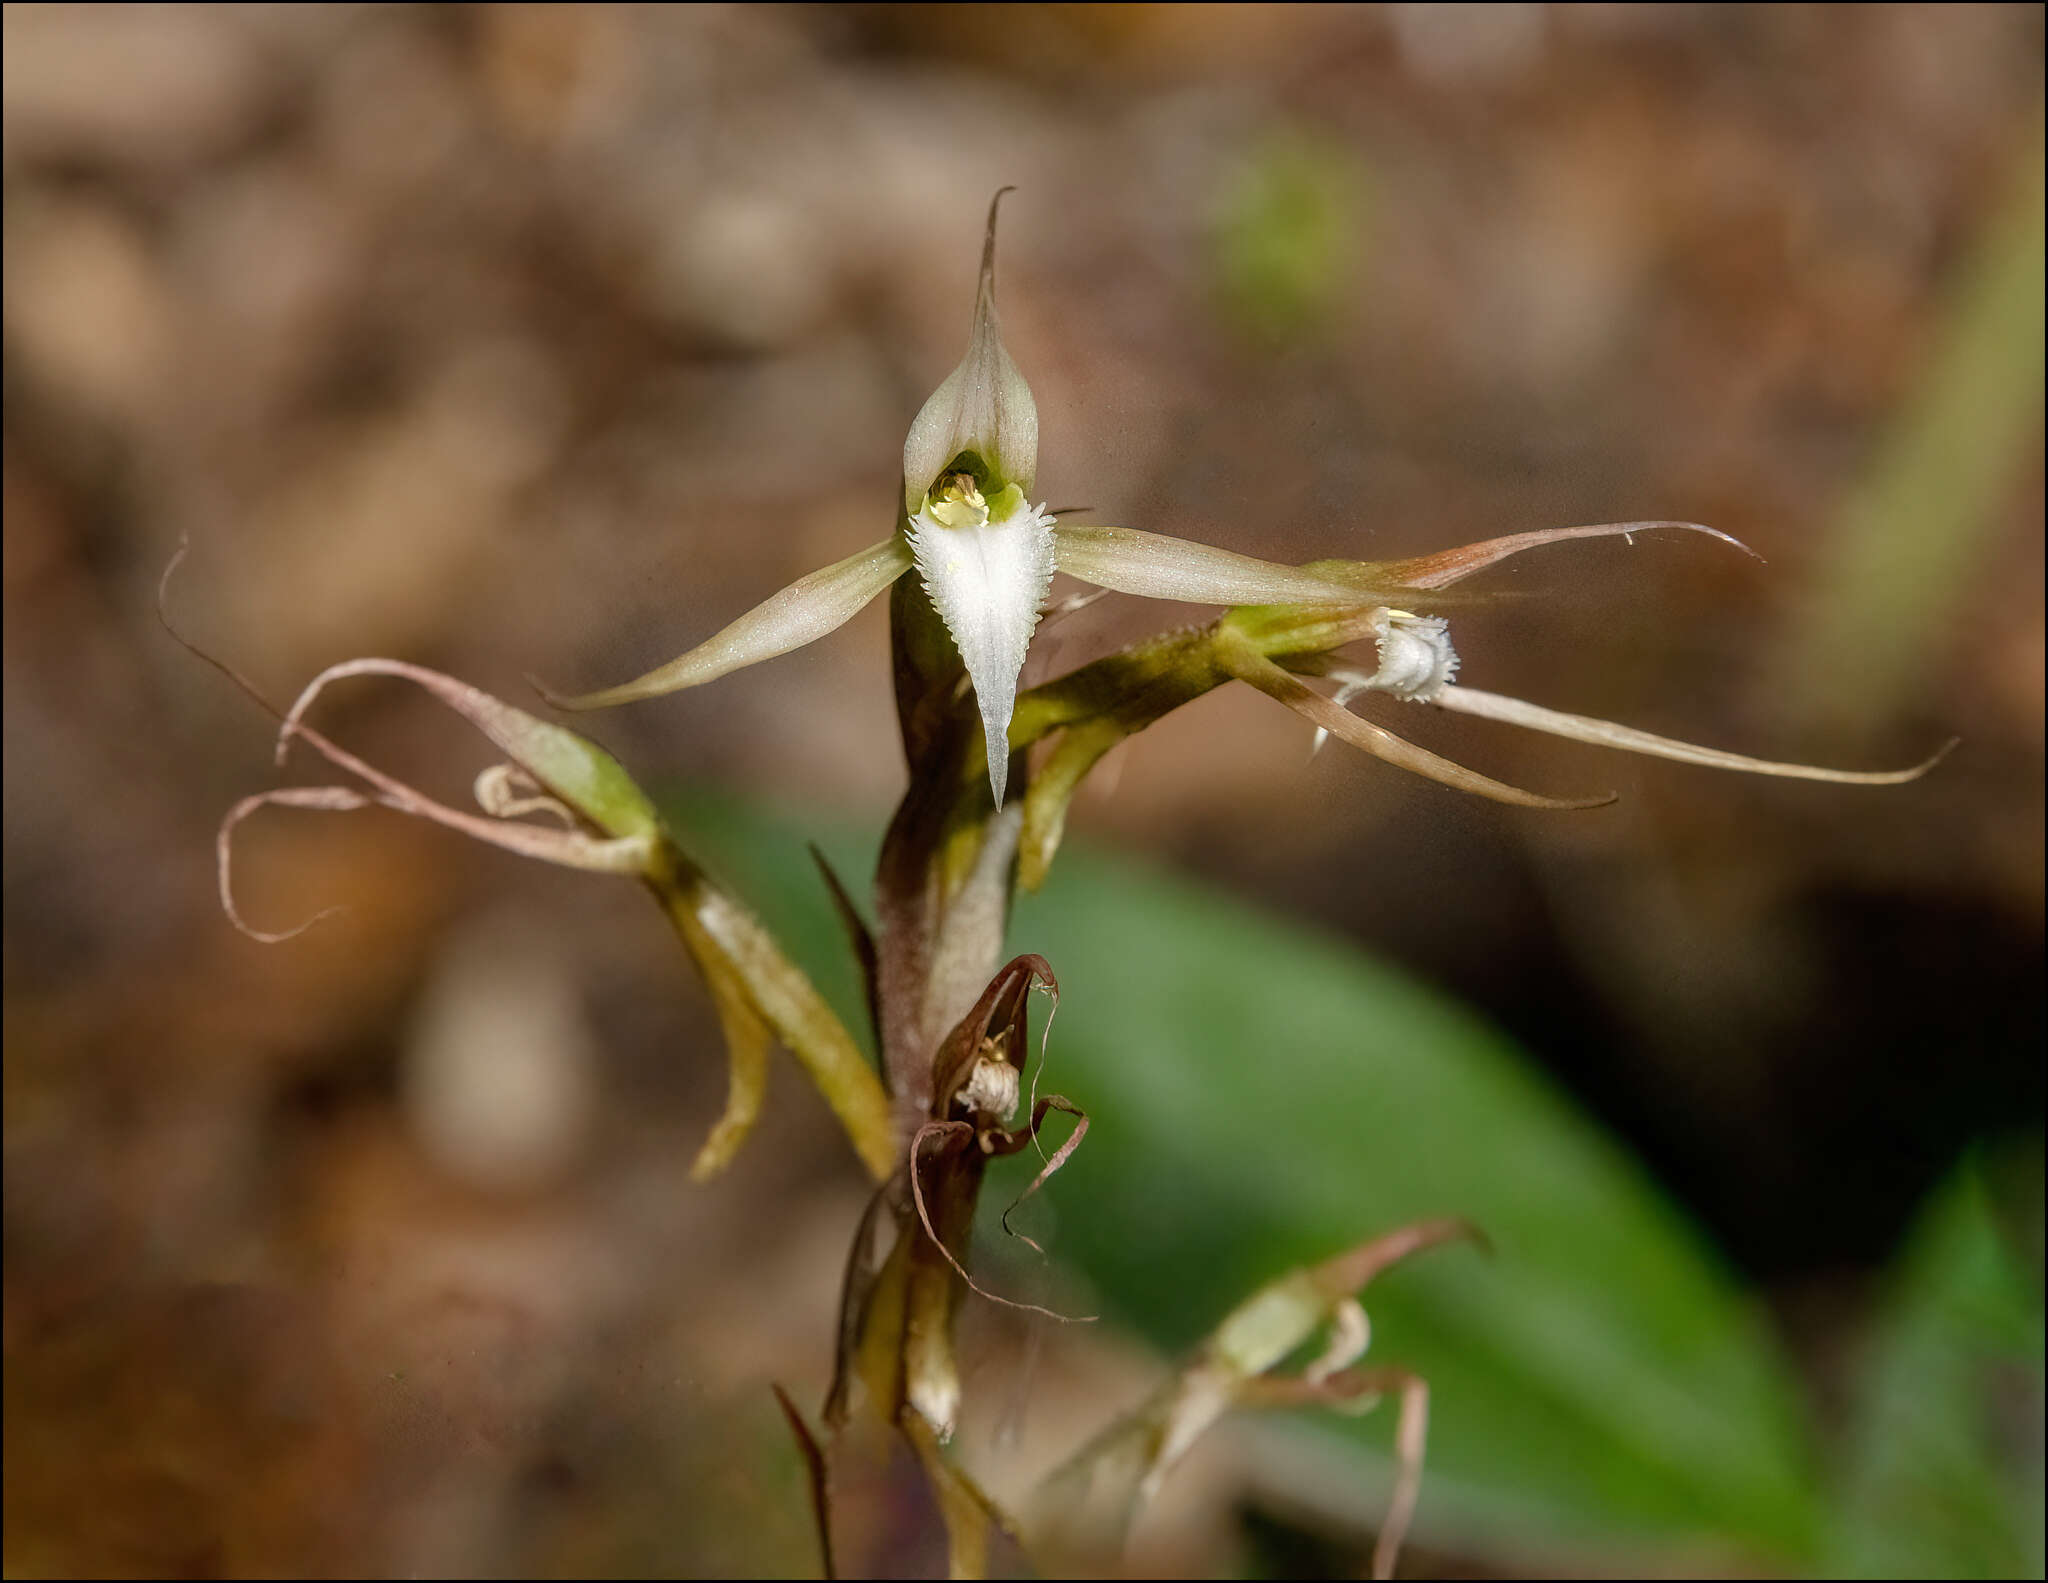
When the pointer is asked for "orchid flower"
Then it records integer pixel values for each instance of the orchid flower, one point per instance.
(985, 555)
(983, 551)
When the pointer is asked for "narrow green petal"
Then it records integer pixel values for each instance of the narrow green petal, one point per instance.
(1153, 566)
(1304, 700)
(805, 611)
(1606, 734)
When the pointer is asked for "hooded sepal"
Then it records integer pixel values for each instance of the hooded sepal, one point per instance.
(983, 409)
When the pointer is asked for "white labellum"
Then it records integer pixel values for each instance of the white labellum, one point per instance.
(986, 567)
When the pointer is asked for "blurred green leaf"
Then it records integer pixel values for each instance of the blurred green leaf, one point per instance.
(1914, 534)
(1286, 236)
(1264, 1096)
(1945, 1465)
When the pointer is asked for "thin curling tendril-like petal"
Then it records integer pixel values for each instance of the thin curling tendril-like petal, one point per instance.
(1449, 566)
(568, 767)
(1605, 733)
(1053, 1162)
(327, 799)
(626, 854)
(808, 609)
(1290, 690)
(1411, 1436)
(959, 1129)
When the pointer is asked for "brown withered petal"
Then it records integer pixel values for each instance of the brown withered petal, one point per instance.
(569, 848)
(1250, 666)
(507, 727)
(758, 993)
(1058, 1158)
(957, 1132)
